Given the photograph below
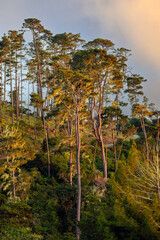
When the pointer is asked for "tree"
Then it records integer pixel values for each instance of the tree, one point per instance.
(17, 151)
(102, 67)
(72, 90)
(141, 111)
(40, 36)
(63, 46)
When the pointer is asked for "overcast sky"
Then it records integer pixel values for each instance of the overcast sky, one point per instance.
(133, 24)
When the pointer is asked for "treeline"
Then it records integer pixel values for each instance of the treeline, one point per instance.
(72, 165)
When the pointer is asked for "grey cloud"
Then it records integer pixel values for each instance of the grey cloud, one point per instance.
(134, 24)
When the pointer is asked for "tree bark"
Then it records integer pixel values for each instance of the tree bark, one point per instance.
(16, 88)
(157, 158)
(39, 85)
(78, 174)
(145, 136)
(4, 81)
(13, 183)
(1, 90)
(70, 151)
(21, 91)
(11, 89)
(115, 151)
(103, 158)
(48, 157)
(99, 137)
(28, 104)
(34, 116)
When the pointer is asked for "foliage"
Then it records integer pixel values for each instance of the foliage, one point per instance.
(72, 127)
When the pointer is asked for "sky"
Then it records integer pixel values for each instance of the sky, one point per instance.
(133, 24)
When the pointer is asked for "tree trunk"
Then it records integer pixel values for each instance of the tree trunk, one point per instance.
(120, 150)
(21, 91)
(115, 152)
(13, 183)
(145, 136)
(115, 155)
(70, 154)
(94, 156)
(28, 104)
(16, 88)
(78, 174)
(39, 83)
(157, 158)
(34, 116)
(18, 97)
(48, 157)
(99, 138)
(1, 91)
(4, 81)
(11, 91)
(103, 158)
(70, 168)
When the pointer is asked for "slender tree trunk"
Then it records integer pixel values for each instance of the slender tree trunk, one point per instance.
(13, 183)
(47, 137)
(21, 91)
(34, 116)
(120, 150)
(70, 154)
(39, 82)
(1, 93)
(11, 82)
(146, 141)
(157, 158)
(18, 96)
(78, 174)
(99, 130)
(4, 81)
(28, 103)
(1, 80)
(70, 168)
(16, 88)
(51, 104)
(103, 158)
(99, 137)
(115, 152)
(94, 156)
(48, 157)
(47, 106)
(34, 122)
(115, 155)
(39, 85)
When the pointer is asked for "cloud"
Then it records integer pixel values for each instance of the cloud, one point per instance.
(134, 24)
(137, 20)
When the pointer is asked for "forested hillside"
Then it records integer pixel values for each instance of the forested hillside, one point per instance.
(72, 164)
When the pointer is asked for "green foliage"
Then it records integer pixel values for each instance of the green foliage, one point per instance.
(84, 85)
(52, 207)
(18, 150)
(136, 189)
(14, 233)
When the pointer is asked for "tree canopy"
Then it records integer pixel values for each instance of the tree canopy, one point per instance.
(72, 164)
